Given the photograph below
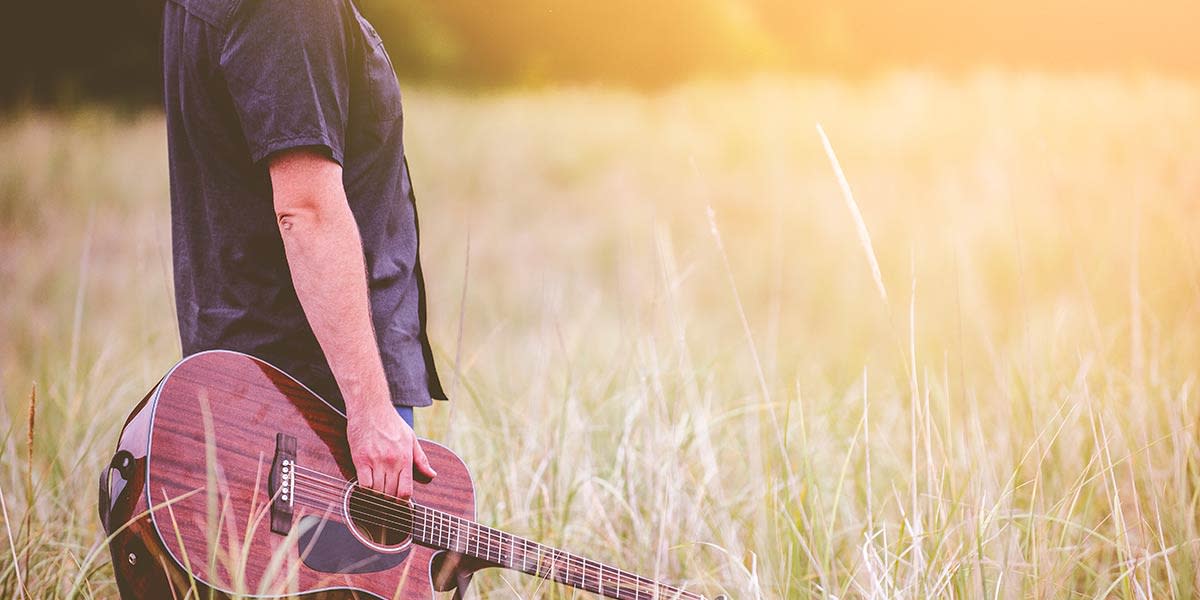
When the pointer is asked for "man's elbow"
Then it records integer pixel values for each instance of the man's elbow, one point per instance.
(295, 219)
(307, 191)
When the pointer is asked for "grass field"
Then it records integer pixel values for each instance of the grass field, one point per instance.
(730, 401)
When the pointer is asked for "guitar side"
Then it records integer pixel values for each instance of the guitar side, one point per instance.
(200, 449)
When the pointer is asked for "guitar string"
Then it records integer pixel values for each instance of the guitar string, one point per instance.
(608, 576)
(606, 572)
(334, 492)
(442, 517)
(335, 487)
(406, 520)
(497, 537)
(606, 583)
(605, 580)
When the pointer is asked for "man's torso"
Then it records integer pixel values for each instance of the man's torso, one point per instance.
(239, 86)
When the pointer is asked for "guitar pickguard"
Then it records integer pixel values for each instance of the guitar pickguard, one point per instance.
(328, 546)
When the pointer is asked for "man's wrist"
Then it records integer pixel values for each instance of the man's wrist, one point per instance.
(367, 399)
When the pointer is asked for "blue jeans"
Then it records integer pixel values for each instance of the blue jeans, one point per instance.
(406, 413)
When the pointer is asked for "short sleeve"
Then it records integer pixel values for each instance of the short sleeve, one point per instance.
(285, 63)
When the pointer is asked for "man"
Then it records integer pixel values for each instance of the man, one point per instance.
(293, 218)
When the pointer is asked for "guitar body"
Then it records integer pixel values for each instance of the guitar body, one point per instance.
(194, 497)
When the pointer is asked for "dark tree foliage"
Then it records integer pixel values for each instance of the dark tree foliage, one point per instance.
(64, 51)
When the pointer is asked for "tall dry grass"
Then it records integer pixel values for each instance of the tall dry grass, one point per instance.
(730, 399)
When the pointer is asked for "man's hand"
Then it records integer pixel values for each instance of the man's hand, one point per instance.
(384, 450)
(325, 256)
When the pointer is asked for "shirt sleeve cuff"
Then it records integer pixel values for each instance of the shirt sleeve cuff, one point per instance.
(261, 151)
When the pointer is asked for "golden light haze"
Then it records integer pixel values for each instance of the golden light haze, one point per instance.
(662, 41)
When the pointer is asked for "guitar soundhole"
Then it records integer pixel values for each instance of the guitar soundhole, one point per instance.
(377, 520)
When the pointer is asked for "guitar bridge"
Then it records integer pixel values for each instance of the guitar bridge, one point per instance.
(281, 485)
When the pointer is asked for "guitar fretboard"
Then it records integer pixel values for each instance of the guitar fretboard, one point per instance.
(437, 529)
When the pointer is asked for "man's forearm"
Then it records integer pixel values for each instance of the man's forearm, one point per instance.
(326, 259)
(324, 253)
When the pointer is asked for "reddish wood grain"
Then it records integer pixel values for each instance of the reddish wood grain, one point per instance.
(213, 420)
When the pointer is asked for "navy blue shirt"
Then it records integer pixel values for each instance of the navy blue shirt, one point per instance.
(244, 79)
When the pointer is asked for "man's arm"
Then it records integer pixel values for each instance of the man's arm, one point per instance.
(325, 255)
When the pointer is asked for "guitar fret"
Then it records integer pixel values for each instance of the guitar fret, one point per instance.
(441, 530)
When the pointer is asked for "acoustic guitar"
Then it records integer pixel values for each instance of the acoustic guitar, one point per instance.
(231, 478)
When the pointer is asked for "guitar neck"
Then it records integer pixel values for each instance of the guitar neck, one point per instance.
(447, 532)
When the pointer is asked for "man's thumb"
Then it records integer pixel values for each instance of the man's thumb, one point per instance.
(421, 460)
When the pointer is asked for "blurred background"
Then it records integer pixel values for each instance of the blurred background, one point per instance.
(77, 49)
(675, 341)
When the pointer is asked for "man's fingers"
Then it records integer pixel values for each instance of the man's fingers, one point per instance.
(404, 490)
(404, 475)
(422, 461)
(365, 477)
(389, 455)
(388, 485)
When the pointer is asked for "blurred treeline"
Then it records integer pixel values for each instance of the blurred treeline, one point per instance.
(69, 50)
